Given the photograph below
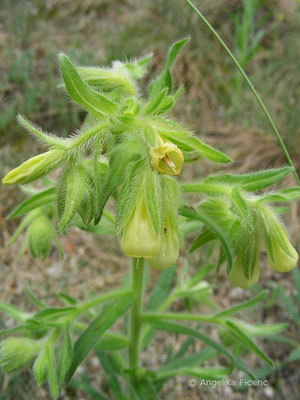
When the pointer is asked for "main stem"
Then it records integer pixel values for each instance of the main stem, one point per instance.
(136, 311)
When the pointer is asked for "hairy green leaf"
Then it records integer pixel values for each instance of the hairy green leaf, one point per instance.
(66, 354)
(164, 80)
(247, 341)
(38, 200)
(175, 328)
(190, 213)
(95, 102)
(252, 181)
(88, 339)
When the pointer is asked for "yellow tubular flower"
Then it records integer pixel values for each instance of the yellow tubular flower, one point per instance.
(139, 238)
(167, 158)
(281, 261)
(237, 276)
(168, 251)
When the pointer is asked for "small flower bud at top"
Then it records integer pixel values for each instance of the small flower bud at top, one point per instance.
(281, 261)
(139, 238)
(168, 251)
(167, 158)
(237, 276)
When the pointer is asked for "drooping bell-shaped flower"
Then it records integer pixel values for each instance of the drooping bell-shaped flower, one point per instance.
(168, 251)
(139, 238)
(167, 158)
(237, 276)
(282, 260)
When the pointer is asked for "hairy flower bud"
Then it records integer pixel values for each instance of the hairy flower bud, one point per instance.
(280, 260)
(40, 237)
(167, 158)
(168, 251)
(237, 276)
(34, 168)
(139, 238)
(16, 352)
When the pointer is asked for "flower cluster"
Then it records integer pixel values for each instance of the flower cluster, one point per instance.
(128, 148)
(245, 223)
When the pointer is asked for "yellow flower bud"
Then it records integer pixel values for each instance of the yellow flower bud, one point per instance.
(139, 238)
(168, 251)
(237, 276)
(40, 237)
(167, 158)
(281, 261)
(32, 168)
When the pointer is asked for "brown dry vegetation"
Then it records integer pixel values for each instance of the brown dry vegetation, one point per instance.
(96, 32)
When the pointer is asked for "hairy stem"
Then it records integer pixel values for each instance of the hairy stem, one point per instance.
(135, 316)
(258, 98)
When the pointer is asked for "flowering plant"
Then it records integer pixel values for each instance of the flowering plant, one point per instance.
(130, 149)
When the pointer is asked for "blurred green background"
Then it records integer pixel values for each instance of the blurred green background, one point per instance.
(264, 36)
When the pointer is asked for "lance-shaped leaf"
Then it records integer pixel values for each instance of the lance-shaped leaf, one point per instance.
(70, 193)
(52, 373)
(205, 236)
(66, 354)
(256, 330)
(176, 328)
(247, 341)
(247, 304)
(192, 144)
(214, 226)
(26, 221)
(154, 103)
(284, 195)
(44, 138)
(178, 363)
(164, 80)
(88, 339)
(252, 181)
(38, 200)
(14, 312)
(96, 103)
